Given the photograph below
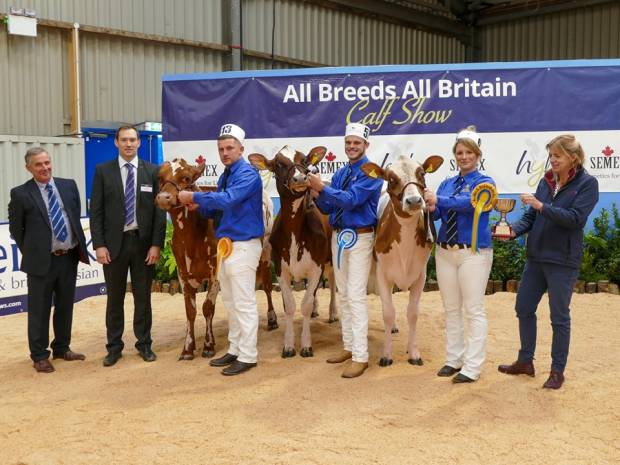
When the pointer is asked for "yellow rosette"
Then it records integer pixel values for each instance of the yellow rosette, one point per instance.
(224, 249)
(483, 198)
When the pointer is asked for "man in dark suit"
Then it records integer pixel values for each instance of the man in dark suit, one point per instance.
(128, 232)
(44, 220)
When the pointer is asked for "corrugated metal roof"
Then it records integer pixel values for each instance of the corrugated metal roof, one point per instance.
(31, 83)
(310, 32)
(588, 32)
(121, 79)
(188, 19)
(67, 155)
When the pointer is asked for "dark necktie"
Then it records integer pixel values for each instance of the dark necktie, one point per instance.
(340, 211)
(452, 231)
(57, 221)
(130, 195)
(218, 213)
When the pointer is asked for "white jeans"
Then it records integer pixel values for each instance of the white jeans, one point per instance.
(237, 283)
(462, 278)
(351, 282)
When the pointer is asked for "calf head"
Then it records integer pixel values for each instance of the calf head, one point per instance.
(290, 168)
(175, 176)
(406, 183)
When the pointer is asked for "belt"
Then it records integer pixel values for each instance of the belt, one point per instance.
(132, 232)
(445, 245)
(365, 229)
(59, 252)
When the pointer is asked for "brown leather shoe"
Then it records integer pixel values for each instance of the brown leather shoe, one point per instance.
(518, 368)
(69, 356)
(43, 366)
(555, 381)
(355, 369)
(343, 356)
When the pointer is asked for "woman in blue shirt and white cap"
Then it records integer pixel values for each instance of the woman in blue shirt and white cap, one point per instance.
(463, 257)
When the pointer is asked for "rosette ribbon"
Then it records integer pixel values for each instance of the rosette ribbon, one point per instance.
(346, 239)
(483, 198)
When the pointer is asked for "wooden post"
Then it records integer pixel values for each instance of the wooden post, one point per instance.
(74, 73)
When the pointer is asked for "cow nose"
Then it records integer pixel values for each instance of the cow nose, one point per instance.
(299, 178)
(413, 201)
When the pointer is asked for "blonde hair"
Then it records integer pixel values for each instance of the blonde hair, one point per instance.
(569, 146)
(470, 144)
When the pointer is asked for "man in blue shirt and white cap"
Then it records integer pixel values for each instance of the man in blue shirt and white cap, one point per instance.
(236, 209)
(351, 201)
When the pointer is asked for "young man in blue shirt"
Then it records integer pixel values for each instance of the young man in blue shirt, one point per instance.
(351, 201)
(236, 209)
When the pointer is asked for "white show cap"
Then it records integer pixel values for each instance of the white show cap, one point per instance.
(471, 135)
(234, 131)
(357, 129)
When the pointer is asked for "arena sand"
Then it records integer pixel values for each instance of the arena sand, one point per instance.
(300, 411)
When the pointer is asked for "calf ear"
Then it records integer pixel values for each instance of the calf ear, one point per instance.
(372, 170)
(315, 155)
(432, 163)
(197, 171)
(260, 162)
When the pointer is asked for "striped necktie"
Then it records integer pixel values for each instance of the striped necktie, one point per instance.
(130, 195)
(340, 211)
(452, 231)
(57, 221)
(217, 218)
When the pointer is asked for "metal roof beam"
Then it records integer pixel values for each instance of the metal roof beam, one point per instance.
(401, 15)
(522, 10)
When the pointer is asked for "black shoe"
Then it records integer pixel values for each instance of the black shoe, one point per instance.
(111, 359)
(147, 354)
(237, 368)
(461, 378)
(447, 370)
(223, 361)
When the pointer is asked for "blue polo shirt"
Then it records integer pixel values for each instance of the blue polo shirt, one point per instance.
(461, 203)
(358, 201)
(241, 203)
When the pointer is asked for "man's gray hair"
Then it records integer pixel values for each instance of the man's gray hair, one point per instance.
(34, 151)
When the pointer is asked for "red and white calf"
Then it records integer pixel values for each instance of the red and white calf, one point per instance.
(300, 240)
(195, 249)
(403, 243)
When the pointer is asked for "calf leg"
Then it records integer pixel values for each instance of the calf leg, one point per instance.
(264, 272)
(208, 310)
(289, 314)
(307, 304)
(415, 292)
(389, 316)
(189, 346)
(333, 308)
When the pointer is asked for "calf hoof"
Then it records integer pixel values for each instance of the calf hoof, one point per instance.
(186, 356)
(306, 352)
(416, 361)
(271, 325)
(385, 362)
(207, 353)
(314, 314)
(333, 320)
(288, 353)
(395, 330)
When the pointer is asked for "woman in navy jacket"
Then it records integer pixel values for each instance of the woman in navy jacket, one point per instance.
(555, 220)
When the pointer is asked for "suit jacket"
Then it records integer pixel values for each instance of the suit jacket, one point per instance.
(107, 207)
(30, 226)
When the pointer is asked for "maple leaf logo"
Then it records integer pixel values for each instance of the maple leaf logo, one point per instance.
(330, 157)
(200, 160)
(608, 152)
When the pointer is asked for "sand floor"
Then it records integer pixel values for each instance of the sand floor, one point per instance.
(299, 410)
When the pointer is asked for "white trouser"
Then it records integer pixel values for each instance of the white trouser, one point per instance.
(351, 282)
(462, 277)
(237, 283)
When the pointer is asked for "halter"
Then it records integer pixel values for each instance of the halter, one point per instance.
(191, 187)
(304, 169)
(415, 183)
